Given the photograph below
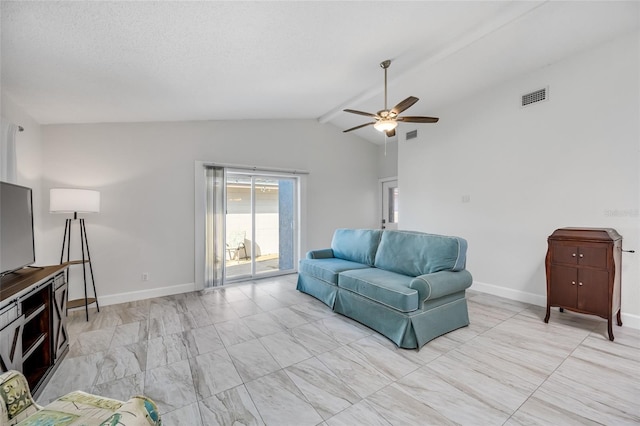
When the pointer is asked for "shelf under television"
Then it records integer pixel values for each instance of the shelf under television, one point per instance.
(78, 303)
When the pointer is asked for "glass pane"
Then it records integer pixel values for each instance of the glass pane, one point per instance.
(286, 233)
(266, 245)
(274, 224)
(393, 205)
(238, 226)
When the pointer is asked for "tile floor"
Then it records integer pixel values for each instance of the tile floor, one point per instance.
(263, 353)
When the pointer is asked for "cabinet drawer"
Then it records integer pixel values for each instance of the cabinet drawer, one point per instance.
(565, 254)
(590, 256)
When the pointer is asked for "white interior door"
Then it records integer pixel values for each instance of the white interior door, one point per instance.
(389, 199)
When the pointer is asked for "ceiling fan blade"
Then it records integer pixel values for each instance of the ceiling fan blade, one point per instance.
(368, 114)
(359, 127)
(404, 104)
(391, 133)
(410, 119)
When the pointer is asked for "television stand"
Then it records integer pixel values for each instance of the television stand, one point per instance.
(33, 323)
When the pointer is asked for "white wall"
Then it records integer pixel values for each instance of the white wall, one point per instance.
(29, 161)
(388, 157)
(145, 172)
(570, 161)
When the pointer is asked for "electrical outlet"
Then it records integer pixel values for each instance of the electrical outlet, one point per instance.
(145, 276)
(466, 198)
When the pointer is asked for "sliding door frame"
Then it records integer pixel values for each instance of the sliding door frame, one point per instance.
(201, 211)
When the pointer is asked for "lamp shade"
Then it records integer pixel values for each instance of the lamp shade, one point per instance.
(71, 200)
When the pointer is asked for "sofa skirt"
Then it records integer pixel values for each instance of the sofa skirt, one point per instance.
(321, 290)
(407, 330)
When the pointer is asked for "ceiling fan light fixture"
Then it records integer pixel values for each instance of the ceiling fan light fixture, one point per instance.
(387, 119)
(385, 125)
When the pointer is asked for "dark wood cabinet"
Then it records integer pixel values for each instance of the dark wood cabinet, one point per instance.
(59, 315)
(583, 272)
(36, 333)
(33, 332)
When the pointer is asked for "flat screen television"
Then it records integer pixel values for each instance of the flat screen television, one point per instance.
(17, 248)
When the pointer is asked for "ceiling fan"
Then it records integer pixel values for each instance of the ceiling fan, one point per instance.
(387, 119)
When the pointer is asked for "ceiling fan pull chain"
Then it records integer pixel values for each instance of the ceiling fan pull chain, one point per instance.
(385, 144)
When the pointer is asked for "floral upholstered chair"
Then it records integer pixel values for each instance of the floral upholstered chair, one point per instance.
(17, 407)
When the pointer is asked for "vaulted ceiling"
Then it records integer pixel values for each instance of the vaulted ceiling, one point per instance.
(129, 61)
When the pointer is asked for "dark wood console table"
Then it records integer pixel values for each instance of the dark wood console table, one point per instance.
(33, 330)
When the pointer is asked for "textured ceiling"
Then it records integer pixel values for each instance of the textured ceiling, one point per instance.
(93, 61)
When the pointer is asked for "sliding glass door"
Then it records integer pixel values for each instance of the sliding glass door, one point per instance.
(260, 225)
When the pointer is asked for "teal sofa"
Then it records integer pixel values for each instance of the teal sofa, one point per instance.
(408, 286)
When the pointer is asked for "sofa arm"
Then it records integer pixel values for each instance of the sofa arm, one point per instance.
(320, 254)
(438, 284)
(137, 411)
(16, 403)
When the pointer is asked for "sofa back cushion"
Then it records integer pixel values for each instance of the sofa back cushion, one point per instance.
(416, 253)
(356, 245)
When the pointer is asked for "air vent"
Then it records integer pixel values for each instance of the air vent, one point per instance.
(534, 97)
(412, 134)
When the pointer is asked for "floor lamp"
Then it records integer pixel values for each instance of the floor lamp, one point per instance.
(71, 200)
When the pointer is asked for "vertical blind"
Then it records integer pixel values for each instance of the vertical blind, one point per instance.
(214, 228)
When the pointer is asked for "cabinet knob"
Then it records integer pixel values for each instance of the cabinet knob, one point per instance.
(579, 283)
(573, 283)
(581, 255)
(573, 254)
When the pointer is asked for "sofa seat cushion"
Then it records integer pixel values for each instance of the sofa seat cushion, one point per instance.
(385, 287)
(328, 269)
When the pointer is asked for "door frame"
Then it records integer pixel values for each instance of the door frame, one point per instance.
(381, 207)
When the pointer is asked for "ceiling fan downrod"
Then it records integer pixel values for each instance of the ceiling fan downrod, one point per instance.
(385, 65)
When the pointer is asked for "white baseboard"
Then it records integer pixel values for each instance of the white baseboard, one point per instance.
(113, 299)
(628, 320)
(509, 293)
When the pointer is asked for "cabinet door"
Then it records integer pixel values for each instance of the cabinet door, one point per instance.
(563, 287)
(593, 291)
(11, 345)
(565, 254)
(60, 334)
(593, 256)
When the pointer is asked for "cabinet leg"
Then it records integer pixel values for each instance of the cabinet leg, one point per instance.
(561, 309)
(619, 317)
(610, 328)
(546, 318)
